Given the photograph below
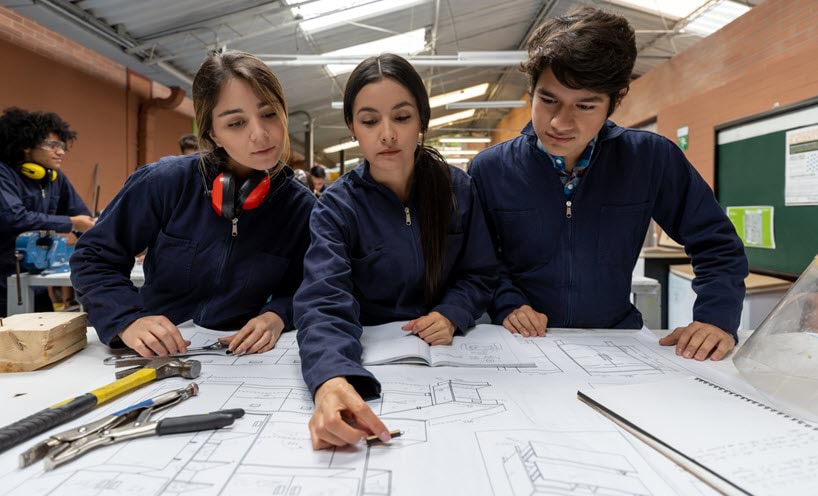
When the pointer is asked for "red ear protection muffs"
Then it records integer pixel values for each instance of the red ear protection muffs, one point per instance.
(229, 203)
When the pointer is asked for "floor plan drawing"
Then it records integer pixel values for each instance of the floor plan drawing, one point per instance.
(268, 451)
(445, 401)
(614, 359)
(285, 352)
(534, 348)
(529, 463)
(452, 420)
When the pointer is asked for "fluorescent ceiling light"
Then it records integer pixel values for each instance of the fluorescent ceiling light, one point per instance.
(402, 44)
(715, 17)
(337, 105)
(510, 59)
(352, 161)
(459, 152)
(478, 56)
(448, 119)
(464, 140)
(324, 14)
(459, 95)
(341, 146)
(458, 160)
(487, 105)
(677, 9)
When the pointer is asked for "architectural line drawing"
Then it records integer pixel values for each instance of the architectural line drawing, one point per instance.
(452, 417)
(610, 358)
(448, 400)
(545, 366)
(541, 468)
(285, 352)
(534, 462)
(268, 451)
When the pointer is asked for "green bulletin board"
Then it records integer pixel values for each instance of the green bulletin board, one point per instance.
(750, 170)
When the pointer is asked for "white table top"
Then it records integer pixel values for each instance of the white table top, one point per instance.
(466, 408)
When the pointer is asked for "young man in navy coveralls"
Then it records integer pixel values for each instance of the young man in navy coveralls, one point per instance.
(569, 201)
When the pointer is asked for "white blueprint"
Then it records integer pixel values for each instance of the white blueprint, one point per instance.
(466, 431)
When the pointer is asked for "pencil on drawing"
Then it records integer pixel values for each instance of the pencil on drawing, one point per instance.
(376, 440)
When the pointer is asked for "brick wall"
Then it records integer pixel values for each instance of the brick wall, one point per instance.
(98, 97)
(27, 34)
(765, 59)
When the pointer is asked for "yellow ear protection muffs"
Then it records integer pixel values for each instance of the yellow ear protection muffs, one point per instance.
(37, 172)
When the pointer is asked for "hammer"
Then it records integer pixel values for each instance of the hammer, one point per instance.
(149, 368)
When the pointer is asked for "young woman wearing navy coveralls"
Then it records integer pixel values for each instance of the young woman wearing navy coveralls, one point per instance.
(226, 229)
(402, 237)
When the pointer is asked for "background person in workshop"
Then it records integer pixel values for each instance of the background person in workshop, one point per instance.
(319, 179)
(188, 144)
(402, 237)
(226, 229)
(34, 195)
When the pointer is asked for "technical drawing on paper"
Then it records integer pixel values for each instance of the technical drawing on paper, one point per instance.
(528, 462)
(442, 402)
(444, 414)
(285, 352)
(545, 366)
(609, 359)
(268, 451)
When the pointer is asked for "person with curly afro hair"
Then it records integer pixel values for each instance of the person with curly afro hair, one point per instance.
(34, 195)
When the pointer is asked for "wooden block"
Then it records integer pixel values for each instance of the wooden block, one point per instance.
(29, 341)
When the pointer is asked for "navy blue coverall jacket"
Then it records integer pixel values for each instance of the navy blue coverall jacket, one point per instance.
(365, 266)
(195, 268)
(575, 264)
(29, 205)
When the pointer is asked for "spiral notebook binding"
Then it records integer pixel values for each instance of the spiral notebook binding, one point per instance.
(757, 403)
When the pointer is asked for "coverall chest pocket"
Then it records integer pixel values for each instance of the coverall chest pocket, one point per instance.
(528, 238)
(622, 230)
(264, 275)
(33, 200)
(169, 263)
(371, 267)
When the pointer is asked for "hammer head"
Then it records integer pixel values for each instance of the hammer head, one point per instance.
(169, 367)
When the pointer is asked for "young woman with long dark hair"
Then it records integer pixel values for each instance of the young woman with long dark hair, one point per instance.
(401, 237)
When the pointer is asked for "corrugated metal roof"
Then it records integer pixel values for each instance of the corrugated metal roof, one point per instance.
(181, 32)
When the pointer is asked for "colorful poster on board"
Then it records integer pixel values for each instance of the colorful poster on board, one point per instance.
(754, 225)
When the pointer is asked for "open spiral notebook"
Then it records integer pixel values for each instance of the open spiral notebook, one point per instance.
(732, 442)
